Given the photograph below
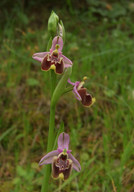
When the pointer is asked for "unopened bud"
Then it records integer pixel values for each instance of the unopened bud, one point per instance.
(53, 24)
(61, 30)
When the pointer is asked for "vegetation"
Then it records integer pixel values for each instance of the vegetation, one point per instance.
(100, 41)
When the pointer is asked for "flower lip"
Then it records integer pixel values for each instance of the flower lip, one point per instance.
(61, 166)
(81, 93)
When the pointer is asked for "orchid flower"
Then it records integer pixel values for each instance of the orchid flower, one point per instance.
(81, 93)
(54, 58)
(61, 159)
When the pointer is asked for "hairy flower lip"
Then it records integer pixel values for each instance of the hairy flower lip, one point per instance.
(81, 93)
(53, 56)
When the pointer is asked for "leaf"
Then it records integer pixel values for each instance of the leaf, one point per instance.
(109, 93)
(32, 82)
(6, 133)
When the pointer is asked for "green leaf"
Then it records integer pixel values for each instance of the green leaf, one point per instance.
(32, 82)
(109, 93)
(49, 44)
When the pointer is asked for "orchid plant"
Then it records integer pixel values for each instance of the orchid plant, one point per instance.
(59, 162)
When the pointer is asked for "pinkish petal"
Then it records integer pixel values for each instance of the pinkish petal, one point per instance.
(70, 82)
(66, 60)
(77, 95)
(57, 40)
(48, 158)
(76, 164)
(63, 141)
(76, 84)
(39, 56)
(67, 65)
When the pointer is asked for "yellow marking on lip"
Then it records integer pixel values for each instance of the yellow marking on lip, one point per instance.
(53, 67)
(93, 101)
(61, 176)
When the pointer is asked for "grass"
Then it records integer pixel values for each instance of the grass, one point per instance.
(102, 136)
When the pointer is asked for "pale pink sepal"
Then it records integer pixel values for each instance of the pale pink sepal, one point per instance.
(63, 141)
(66, 60)
(76, 164)
(47, 159)
(39, 56)
(57, 40)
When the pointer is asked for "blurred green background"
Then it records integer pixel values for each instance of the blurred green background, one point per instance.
(100, 42)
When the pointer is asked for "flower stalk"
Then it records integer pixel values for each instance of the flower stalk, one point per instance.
(51, 138)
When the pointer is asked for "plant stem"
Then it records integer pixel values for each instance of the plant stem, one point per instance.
(55, 95)
(53, 81)
(51, 136)
(60, 183)
(49, 148)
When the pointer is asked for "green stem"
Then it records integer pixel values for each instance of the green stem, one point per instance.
(53, 81)
(51, 136)
(55, 95)
(47, 169)
(68, 89)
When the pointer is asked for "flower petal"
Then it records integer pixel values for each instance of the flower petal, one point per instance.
(66, 60)
(57, 40)
(48, 158)
(77, 95)
(76, 164)
(70, 82)
(86, 98)
(67, 65)
(63, 141)
(39, 56)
